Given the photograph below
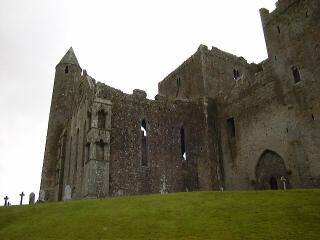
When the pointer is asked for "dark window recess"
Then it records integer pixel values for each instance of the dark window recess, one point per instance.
(178, 82)
(278, 29)
(236, 74)
(231, 127)
(101, 119)
(287, 130)
(296, 74)
(312, 116)
(66, 70)
(144, 158)
(183, 144)
(307, 14)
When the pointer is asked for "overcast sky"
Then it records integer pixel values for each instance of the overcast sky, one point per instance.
(124, 44)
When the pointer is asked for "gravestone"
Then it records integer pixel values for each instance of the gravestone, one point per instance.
(21, 197)
(31, 198)
(67, 193)
(6, 201)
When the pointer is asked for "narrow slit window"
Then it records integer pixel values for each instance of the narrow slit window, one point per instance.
(183, 144)
(231, 127)
(144, 159)
(312, 116)
(66, 70)
(296, 74)
(278, 28)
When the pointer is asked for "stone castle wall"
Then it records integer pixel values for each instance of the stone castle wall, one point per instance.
(242, 126)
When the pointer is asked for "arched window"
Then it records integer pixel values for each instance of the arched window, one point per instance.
(183, 144)
(101, 119)
(144, 160)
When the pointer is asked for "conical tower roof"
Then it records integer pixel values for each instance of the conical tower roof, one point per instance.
(69, 58)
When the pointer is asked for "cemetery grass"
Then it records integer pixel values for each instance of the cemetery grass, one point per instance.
(293, 214)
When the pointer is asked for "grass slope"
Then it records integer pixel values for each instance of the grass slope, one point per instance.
(293, 214)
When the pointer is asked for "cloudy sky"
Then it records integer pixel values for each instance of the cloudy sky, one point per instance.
(125, 44)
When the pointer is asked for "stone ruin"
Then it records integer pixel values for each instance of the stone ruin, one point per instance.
(216, 123)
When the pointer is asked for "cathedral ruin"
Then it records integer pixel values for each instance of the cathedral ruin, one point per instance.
(217, 121)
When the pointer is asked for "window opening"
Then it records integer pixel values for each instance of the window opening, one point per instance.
(236, 74)
(101, 119)
(183, 144)
(66, 70)
(296, 74)
(312, 116)
(144, 159)
(278, 29)
(231, 127)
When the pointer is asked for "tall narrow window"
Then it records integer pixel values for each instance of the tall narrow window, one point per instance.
(296, 74)
(278, 28)
(144, 159)
(66, 70)
(231, 127)
(183, 144)
(101, 119)
(236, 74)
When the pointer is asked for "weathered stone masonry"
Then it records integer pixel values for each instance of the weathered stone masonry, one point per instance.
(216, 122)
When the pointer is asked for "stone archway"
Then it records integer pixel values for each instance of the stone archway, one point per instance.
(269, 170)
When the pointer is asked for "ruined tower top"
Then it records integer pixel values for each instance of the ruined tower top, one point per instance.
(69, 58)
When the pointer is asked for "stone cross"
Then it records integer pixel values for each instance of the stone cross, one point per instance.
(283, 180)
(5, 200)
(21, 195)
(67, 193)
(31, 198)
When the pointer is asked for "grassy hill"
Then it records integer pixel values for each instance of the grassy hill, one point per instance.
(293, 214)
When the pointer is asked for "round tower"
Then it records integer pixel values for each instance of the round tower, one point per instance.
(68, 72)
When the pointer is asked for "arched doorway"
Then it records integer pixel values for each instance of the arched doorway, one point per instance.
(269, 170)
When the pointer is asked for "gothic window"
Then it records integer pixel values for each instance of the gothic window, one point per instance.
(231, 127)
(144, 159)
(183, 144)
(101, 119)
(296, 74)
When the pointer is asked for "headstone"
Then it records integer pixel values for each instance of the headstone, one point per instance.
(283, 180)
(32, 197)
(42, 196)
(21, 197)
(6, 201)
(67, 193)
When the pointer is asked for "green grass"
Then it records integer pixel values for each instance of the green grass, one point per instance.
(279, 215)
